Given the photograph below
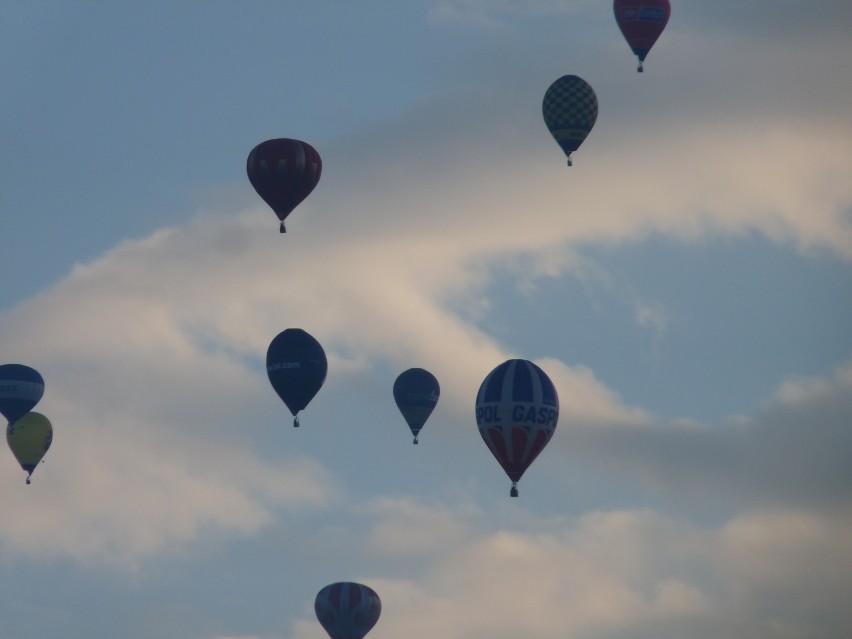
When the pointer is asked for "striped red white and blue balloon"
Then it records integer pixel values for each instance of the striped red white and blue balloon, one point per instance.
(347, 610)
(516, 410)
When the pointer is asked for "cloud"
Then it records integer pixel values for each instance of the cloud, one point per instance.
(787, 455)
(786, 20)
(157, 346)
(687, 170)
(153, 352)
(494, 14)
(173, 458)
(408, 527)
(144, 404)
(618, 574)
(119, 491)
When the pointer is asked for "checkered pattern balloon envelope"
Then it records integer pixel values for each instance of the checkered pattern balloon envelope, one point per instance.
(570, 108)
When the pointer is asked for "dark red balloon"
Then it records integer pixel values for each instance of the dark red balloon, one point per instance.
(283, 172)
(641, 22)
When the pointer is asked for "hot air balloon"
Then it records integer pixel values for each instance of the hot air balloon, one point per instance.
(641, 22)
(296, 365)
(347, 610)
(283, 172)
(570, 108)
(416, 392)
(516, 411)
(21, 388)
(29, 438)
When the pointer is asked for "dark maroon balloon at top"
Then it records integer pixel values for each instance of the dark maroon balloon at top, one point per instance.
(641, 22)
(283, 172)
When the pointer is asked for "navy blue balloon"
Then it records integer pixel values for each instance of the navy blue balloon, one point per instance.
(21, 388)
(296, 365)
(416, 392)
(347, 609)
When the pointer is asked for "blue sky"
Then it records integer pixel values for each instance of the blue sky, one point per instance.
(662, 334)
(686, 285)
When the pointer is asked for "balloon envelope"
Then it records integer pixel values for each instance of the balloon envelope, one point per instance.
(416, 392)
(641, 22)
(21, 388)
(296, 366)
(29, 438)
(570, 108)
(347, 610)
(516, 410)
(283, 172)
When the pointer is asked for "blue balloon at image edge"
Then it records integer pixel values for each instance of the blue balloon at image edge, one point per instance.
(21, 389)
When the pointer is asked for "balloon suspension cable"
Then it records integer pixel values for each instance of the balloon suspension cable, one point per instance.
(514, 491)
(296, 421)
(283, 229)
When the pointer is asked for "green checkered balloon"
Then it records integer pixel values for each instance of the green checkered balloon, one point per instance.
(570, 108)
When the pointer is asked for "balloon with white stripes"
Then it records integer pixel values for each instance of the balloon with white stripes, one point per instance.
(516, 410)
(347, 610)
(21, 388)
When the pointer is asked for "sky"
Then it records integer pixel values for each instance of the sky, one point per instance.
(686, 285)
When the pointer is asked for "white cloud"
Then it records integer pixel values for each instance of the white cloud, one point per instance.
(168, 437)
(621, 574)
(119, 491)
(793, 392)
(584, 401)
(786, 455)
(407, 527)
(499, 13)
(171, 330)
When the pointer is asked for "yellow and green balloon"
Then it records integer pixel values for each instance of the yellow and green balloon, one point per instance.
(29, 438)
